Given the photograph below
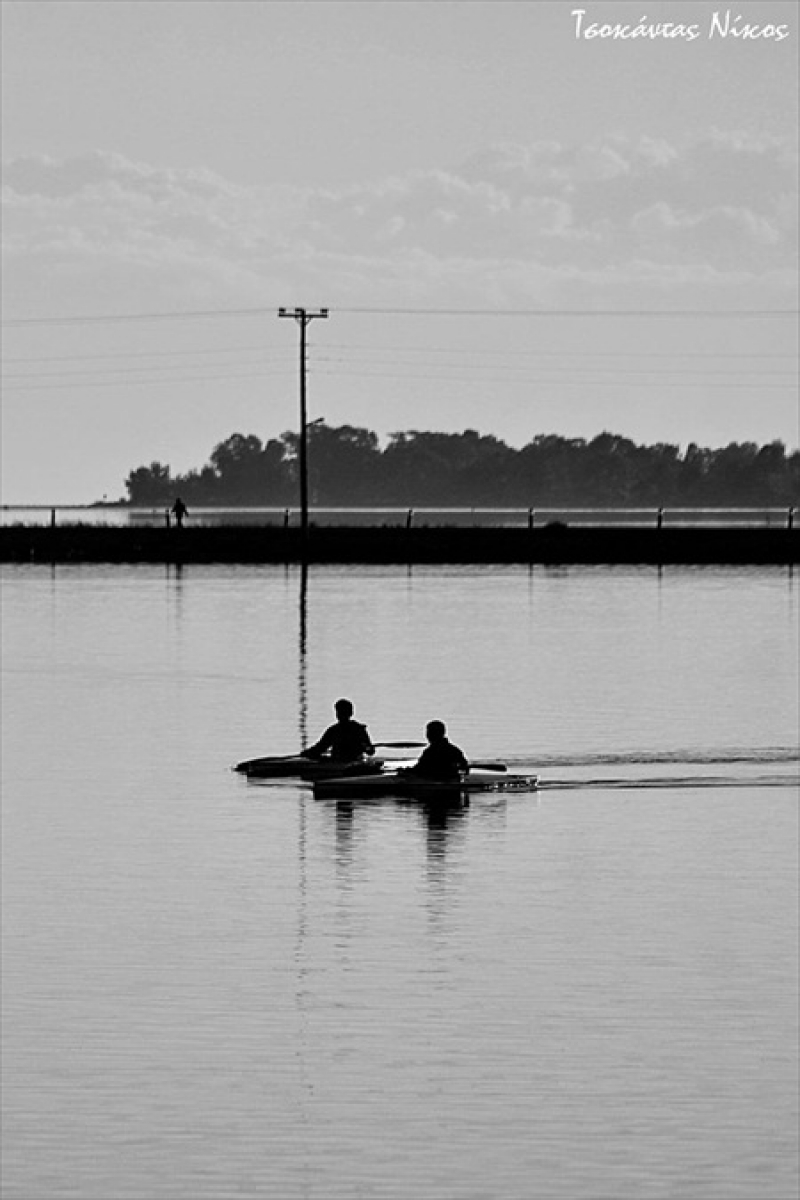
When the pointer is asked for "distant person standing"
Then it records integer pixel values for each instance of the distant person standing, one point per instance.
(179, 511)
(440, 759)
(346, 741)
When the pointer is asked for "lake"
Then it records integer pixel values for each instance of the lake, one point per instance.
(218, 988)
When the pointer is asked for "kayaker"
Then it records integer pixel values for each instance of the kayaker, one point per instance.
(346, 741)
(440, 759)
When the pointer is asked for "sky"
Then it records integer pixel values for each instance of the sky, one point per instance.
(521, 218)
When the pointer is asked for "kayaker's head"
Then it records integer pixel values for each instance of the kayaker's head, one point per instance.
(435, 731)
(343, 709)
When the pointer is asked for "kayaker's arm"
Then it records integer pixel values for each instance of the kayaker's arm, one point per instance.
(324, 744)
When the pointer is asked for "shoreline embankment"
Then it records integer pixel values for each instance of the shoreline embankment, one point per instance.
(554, 544)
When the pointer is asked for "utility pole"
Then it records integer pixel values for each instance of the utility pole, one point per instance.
(303, 316)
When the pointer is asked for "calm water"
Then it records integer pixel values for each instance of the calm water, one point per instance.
(214, 988)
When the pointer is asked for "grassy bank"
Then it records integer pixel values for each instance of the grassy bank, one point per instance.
(550, 544)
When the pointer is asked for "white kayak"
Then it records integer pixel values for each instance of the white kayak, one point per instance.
(404, 783)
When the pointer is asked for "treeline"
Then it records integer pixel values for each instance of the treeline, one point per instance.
(348, 467)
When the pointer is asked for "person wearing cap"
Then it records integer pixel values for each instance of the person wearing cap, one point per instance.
(345, 741)
(440, 759)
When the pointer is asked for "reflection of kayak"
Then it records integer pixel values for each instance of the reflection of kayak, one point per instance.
(394, 783)
(289, 766)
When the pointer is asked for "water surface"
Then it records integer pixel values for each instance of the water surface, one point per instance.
(221, 989)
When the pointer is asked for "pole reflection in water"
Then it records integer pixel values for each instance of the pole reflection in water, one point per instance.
(302, 672)
(302, 689)
(300, 951)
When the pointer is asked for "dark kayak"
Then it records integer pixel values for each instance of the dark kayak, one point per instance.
(398, 783)
(295, 766)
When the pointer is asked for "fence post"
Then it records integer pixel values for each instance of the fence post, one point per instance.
(52, 518)
(409, 518)
(166, 518)
(660, 518)
(530, 518)
(286, 518)
(790, 519)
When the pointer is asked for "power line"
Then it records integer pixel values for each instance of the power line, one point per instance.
(561, 353)
(193, 314)
(515, 367)
(754, 386)
(138, 354)
(188, 315)
(169, 381)
(568, 312)
(16, 383)
(280, 355)
(118, 374)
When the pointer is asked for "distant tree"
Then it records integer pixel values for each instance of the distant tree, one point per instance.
(788, 492)
(731, 474)
(199, 487)
(772, 472)
(151, 485)
(249, 473)
(441, 468)
(609, 470)
(659, 477)
(694, 475)
(237, 465)
(548, 472)
(343, 463)
(483, 472)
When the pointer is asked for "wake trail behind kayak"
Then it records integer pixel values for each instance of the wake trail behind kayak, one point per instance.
(763, 756)
(671, 781)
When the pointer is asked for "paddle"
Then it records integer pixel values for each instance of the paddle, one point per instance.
(481, 766)
(386, 745)
(400, 745)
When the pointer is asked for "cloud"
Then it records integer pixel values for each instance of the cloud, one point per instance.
(541, 221)
(54, 178)
(732, 237)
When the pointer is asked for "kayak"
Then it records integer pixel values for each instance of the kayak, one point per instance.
(289, 766)
(395, 783)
